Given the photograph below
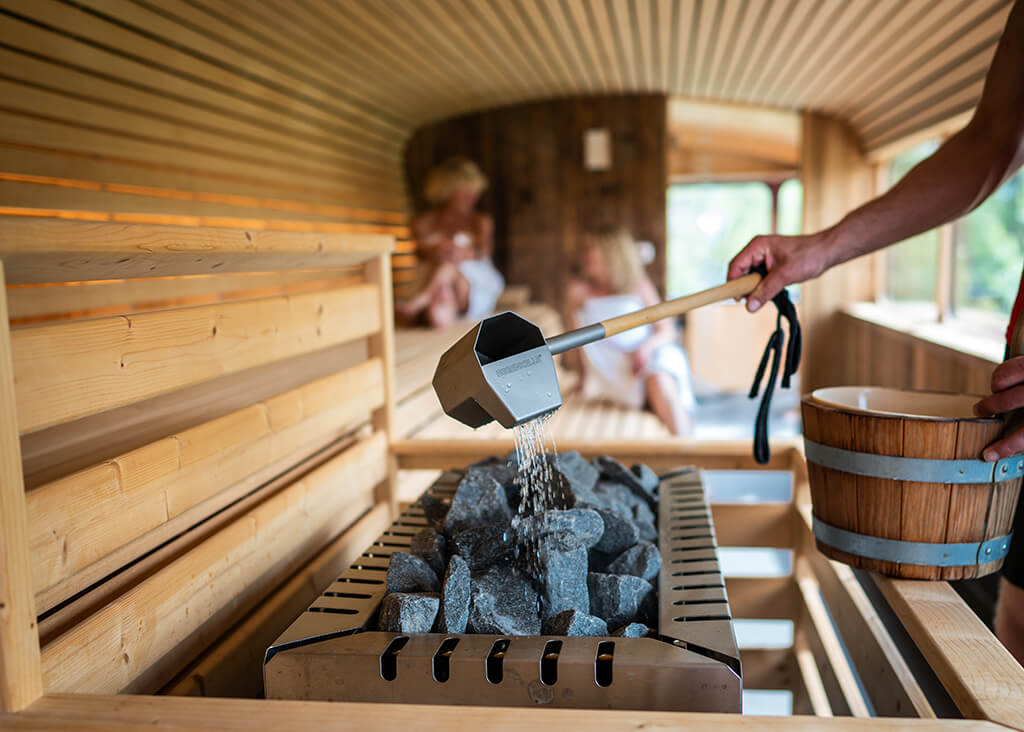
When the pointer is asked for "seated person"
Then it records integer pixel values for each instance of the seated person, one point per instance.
(457, 277)
(645, 365)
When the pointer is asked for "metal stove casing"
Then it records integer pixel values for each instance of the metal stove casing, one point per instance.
(329, 653)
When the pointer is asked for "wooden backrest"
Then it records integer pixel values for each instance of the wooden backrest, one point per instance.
(199, 411)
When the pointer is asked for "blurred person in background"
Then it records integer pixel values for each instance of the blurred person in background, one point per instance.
(643, 366)
(457, 278)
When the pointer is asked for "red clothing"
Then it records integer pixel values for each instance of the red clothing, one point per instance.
(1018, 306)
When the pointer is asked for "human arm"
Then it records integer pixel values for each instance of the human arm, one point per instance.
(964, 171)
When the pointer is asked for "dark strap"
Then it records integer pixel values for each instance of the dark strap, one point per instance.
(787, 311)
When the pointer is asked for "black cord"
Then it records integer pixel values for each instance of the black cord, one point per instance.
(787, 311)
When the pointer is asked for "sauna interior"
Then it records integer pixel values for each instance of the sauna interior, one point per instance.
(210, 411)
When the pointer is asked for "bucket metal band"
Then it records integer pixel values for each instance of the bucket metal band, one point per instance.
(920, 470)
(911, 552)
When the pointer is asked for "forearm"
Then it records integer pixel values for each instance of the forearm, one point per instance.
(944, 187)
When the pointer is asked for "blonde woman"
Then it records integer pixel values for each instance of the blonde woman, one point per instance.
(644, 366)
(454, 242)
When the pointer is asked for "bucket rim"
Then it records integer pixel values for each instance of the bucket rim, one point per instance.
(952, 407)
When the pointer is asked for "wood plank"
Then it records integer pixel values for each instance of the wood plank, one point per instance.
(773, 598)
(889, 683)
(233, 667)
(754, 524)
(141, 639)
(205, 520)
(381, 346)
(97, 712)
(38, 303)
(20, 674)
(124, 359)
(979, 674)
(845, 693)
(817, 697)
(444, 454)
(44, 250)
(768, 668)
(75, 522)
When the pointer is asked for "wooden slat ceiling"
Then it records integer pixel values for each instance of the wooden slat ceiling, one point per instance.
(384, 67)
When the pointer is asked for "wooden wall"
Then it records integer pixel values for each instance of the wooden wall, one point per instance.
(836, 177)
(540, 196)
(876, 355)
(190, 114)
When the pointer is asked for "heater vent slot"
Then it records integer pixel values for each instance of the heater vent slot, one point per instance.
(495, 667)
(603, 663)
(549, 663)
(442, 659)
(389, 658)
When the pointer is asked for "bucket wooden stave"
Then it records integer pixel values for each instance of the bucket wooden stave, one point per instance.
(852, 425)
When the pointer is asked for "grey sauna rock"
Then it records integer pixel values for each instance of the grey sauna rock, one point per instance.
(641, 560)
(454, 612)
(561, 572)
(632, 630)
(485, 546)
(619, 532)
(648, 612)
(505, 472)
(431, 546)
(617, 597)
(402, 612)
(578, 472)
(409, 573)
(434, 509)
(648, 478)
(642, 512)
(574, 623)
(614, 496)
(599, 561)
(612, 469)
(647, 530)
(479, 500)
(503, 602)
(583, 525)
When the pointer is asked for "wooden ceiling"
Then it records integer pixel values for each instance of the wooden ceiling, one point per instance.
(889, 67)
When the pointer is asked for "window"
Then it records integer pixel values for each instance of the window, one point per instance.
(709, 222)
(911, 267)
(989, 252)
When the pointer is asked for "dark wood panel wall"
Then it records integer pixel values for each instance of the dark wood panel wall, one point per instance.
(541, 197)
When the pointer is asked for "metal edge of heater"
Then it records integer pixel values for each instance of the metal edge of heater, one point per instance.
(694, 614)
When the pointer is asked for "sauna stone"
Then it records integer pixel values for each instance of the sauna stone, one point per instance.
(504, 471)
(574, 623)
(561, 572)
(454, 612)
(503, 602)
(435, 509)
(632, 630)
(577, 471)
(431, 546)
(586, 527)
(479, 500)
(486, 546)
(619, 532)
(648, 478)
(642, 560)
(613, 470)
(648, 531)
(402, 612)
(617, 598)
(409, 573)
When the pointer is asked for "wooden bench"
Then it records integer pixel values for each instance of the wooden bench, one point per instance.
(179, 481)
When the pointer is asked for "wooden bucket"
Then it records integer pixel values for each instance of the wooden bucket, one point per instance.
(898, 487)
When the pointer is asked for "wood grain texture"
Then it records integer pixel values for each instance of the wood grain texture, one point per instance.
(233, 666)
(97, 712)
(124, 359)
(78, 520)
(980, 675)
(20, 679)
(141, 639)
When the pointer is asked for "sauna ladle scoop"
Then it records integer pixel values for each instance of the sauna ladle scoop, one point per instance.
(503, 368)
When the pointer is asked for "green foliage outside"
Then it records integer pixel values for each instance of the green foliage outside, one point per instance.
(912, 265)
(990, 251)
(709, 222)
